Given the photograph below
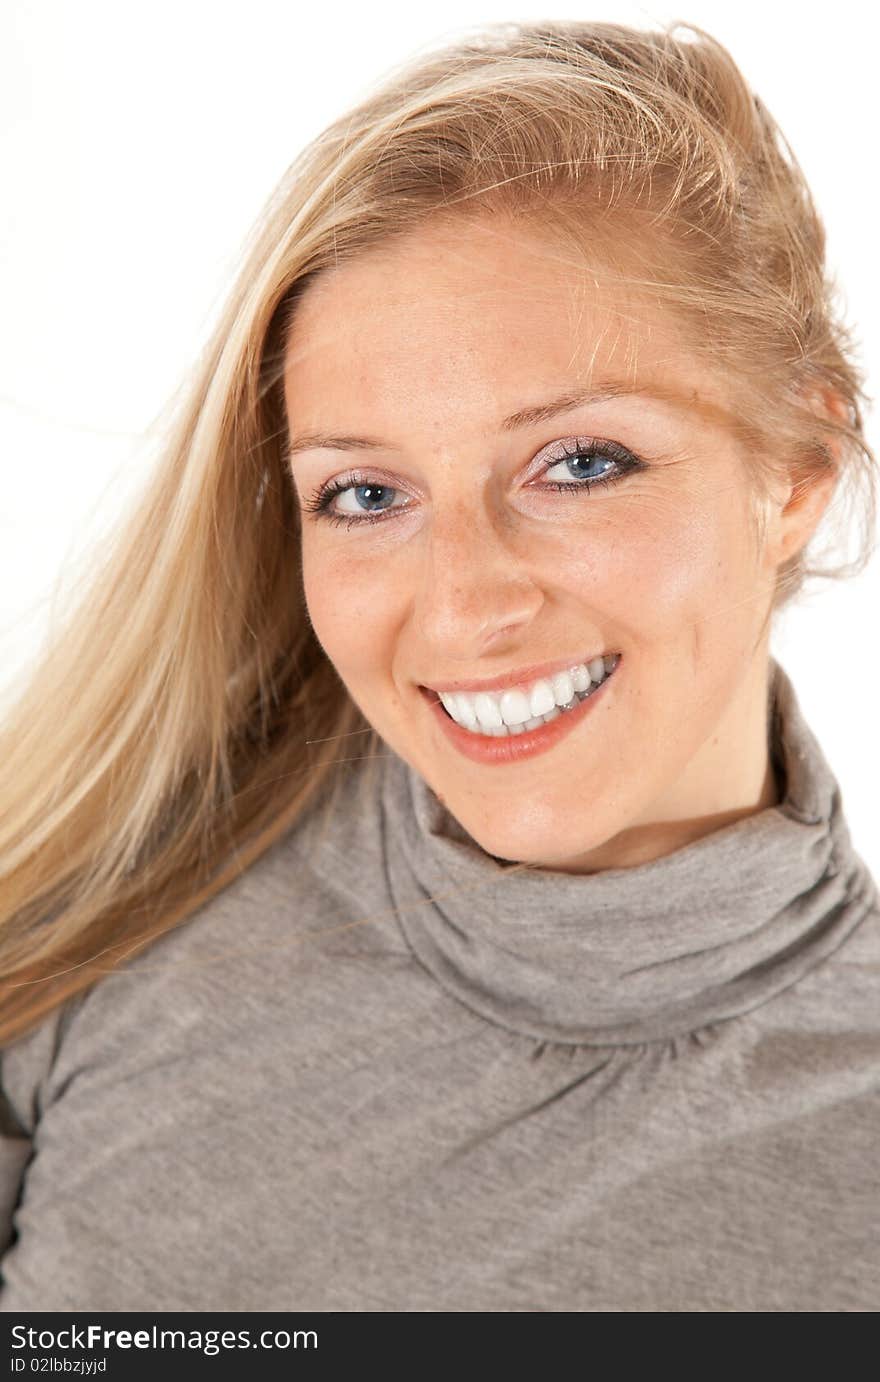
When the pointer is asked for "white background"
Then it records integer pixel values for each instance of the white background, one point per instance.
(137, 145)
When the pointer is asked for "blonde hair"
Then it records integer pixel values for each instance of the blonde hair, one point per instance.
(159, 747)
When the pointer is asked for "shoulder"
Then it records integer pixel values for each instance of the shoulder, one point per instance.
(286, 937)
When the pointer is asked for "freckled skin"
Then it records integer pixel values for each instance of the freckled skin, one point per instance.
(427, 343)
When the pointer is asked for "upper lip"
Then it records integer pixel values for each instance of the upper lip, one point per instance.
(517, 677)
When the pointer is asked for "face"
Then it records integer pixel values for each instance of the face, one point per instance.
(525, 470)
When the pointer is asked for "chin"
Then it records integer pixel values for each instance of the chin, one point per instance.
(546, 850)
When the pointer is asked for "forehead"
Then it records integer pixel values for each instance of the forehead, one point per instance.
(482, 312)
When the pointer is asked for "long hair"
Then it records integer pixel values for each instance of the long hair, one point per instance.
(171, 729)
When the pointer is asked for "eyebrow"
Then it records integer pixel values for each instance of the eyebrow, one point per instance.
(524, 417)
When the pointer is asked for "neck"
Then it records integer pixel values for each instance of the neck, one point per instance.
(633, 954)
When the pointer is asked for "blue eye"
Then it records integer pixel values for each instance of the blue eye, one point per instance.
(579, 456)
(583, 454)
(369, 492)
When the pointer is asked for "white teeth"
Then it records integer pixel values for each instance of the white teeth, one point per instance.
(455, 708)
(464, 712)
(542, 699)
(515, 709)
(488, 710)
(581, 678)
(563, 690)
(523, 708)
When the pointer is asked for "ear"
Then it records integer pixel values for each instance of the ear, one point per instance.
(805, 493)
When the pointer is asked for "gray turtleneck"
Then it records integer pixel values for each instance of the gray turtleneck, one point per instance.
(381, 1072)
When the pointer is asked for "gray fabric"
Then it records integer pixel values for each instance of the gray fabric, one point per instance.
(380, 1072)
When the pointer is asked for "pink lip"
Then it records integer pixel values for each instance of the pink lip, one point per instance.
(490, 749)
(521, 677)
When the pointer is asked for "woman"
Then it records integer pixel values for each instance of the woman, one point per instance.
(422, 891)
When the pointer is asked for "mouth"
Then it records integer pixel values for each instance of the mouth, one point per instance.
(476, 724)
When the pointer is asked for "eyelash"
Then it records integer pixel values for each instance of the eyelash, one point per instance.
(571, 449)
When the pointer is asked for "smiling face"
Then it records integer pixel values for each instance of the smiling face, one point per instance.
(454, 558)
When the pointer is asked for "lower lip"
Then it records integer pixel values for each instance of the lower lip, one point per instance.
(509, 748)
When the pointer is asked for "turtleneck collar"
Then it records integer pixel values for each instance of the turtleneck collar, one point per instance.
(635, 954)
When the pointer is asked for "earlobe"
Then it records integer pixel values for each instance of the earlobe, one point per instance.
(809, 498)
(813, 479)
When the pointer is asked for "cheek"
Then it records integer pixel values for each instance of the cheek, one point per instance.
(654, 562)
(351, 604)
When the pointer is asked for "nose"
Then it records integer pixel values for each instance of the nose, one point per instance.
(477, 591)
